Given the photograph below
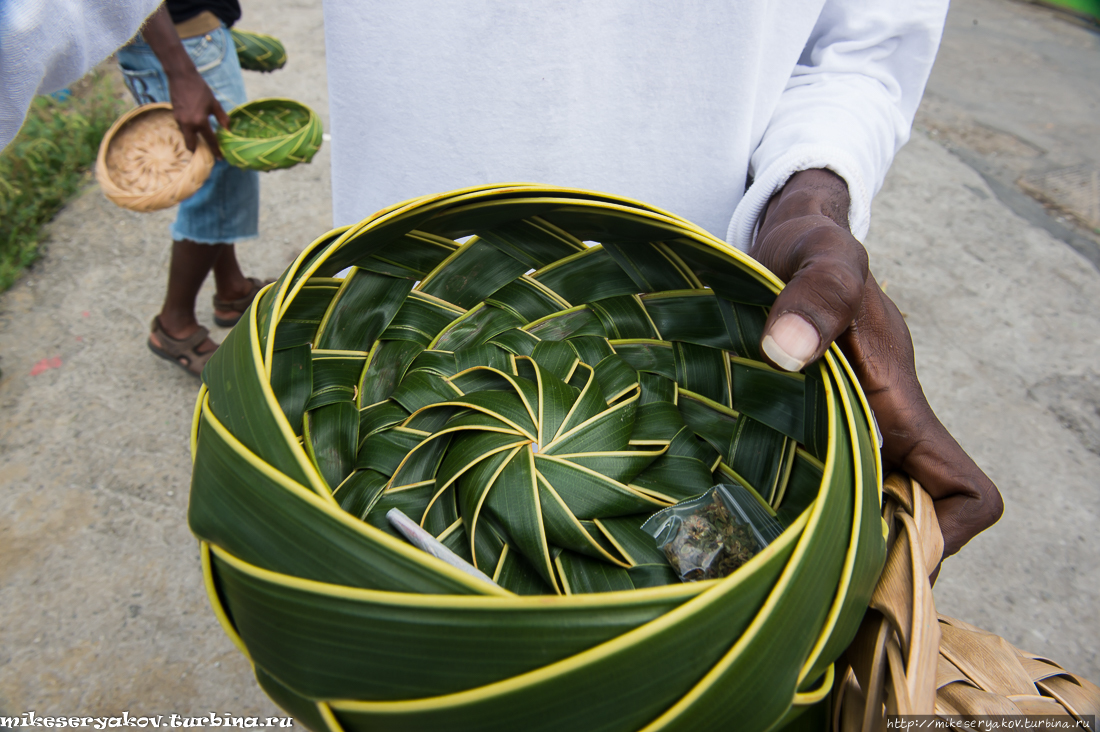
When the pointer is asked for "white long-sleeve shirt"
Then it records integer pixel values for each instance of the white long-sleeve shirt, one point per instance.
(47, 44)
(672, 103)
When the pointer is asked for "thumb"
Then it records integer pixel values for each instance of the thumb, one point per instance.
(211, 140)
(220, 115)
(826, 271)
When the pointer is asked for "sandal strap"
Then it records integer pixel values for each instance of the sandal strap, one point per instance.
(180, 346)
(240, 303)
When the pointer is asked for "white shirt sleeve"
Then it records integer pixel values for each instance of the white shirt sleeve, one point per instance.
(47, 44)
(849, 104)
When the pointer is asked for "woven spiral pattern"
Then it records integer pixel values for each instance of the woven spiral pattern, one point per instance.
(143, 164)
(529, 372)
(268, 134)
(258, 52)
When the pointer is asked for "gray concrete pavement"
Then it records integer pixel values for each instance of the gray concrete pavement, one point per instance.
(1014, 95)
(1003, 306)
(1005, 321)
(101, 600)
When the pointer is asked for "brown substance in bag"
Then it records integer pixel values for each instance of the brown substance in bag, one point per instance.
(710, 544)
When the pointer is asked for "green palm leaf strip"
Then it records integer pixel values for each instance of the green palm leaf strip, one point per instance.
(529, 373)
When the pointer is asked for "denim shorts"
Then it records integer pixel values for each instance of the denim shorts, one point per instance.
(227, 207)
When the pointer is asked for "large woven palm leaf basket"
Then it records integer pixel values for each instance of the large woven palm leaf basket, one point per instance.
(529, 372)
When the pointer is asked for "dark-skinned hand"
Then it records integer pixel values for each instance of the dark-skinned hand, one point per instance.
(832, 296)
(193, 103)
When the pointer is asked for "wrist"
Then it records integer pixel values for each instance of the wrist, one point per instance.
(160, 34)
(179, 66)
(817, 192)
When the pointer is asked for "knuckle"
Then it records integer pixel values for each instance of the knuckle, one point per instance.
(829, 295)
(990, 506)
(811, 241)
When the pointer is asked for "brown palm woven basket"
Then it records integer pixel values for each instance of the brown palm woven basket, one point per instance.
(907, 659)
(143, 164)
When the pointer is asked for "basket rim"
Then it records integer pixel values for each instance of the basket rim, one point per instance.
(227, 135)
(255, 34)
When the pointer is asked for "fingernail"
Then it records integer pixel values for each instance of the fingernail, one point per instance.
(792, 342)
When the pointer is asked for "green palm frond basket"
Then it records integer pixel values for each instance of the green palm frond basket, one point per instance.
(258, 52)
(529, 372)
(268, 134)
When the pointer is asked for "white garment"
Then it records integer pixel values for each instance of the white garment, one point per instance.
(671, 103)
(45, 45)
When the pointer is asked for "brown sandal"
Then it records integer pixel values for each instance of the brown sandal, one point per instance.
(181, 351)
(239, 305)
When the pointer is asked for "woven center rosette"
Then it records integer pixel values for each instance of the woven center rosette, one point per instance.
(529, 373)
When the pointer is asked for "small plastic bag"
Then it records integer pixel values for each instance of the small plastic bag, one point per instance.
(710, 536)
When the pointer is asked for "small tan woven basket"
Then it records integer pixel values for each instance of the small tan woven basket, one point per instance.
(907, 659)
(143, 164)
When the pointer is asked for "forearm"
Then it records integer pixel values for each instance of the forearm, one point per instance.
(160, 34)
(192, 100)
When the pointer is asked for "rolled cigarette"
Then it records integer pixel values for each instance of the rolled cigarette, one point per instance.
(424, 541)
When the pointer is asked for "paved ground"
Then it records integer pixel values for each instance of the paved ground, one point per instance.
(1005, 316)
(101, 604)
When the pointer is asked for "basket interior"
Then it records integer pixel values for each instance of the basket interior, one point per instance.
(267, 119)
(147, 153)
(530, 380)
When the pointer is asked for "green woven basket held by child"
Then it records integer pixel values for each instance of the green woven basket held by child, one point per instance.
(267, 134)
(258, 52)
(529, 373)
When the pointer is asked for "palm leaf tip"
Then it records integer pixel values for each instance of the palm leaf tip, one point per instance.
(528, 397)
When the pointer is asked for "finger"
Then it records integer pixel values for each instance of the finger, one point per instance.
(211, 140)
(880, 350)
(914, 440)
(966, 500)
(825, 269)
(190, 141)
(220, 115)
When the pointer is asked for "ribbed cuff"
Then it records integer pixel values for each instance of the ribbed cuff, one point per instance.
(742, 228)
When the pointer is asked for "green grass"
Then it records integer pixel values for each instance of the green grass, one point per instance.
(1086, 7)
(48, 163)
